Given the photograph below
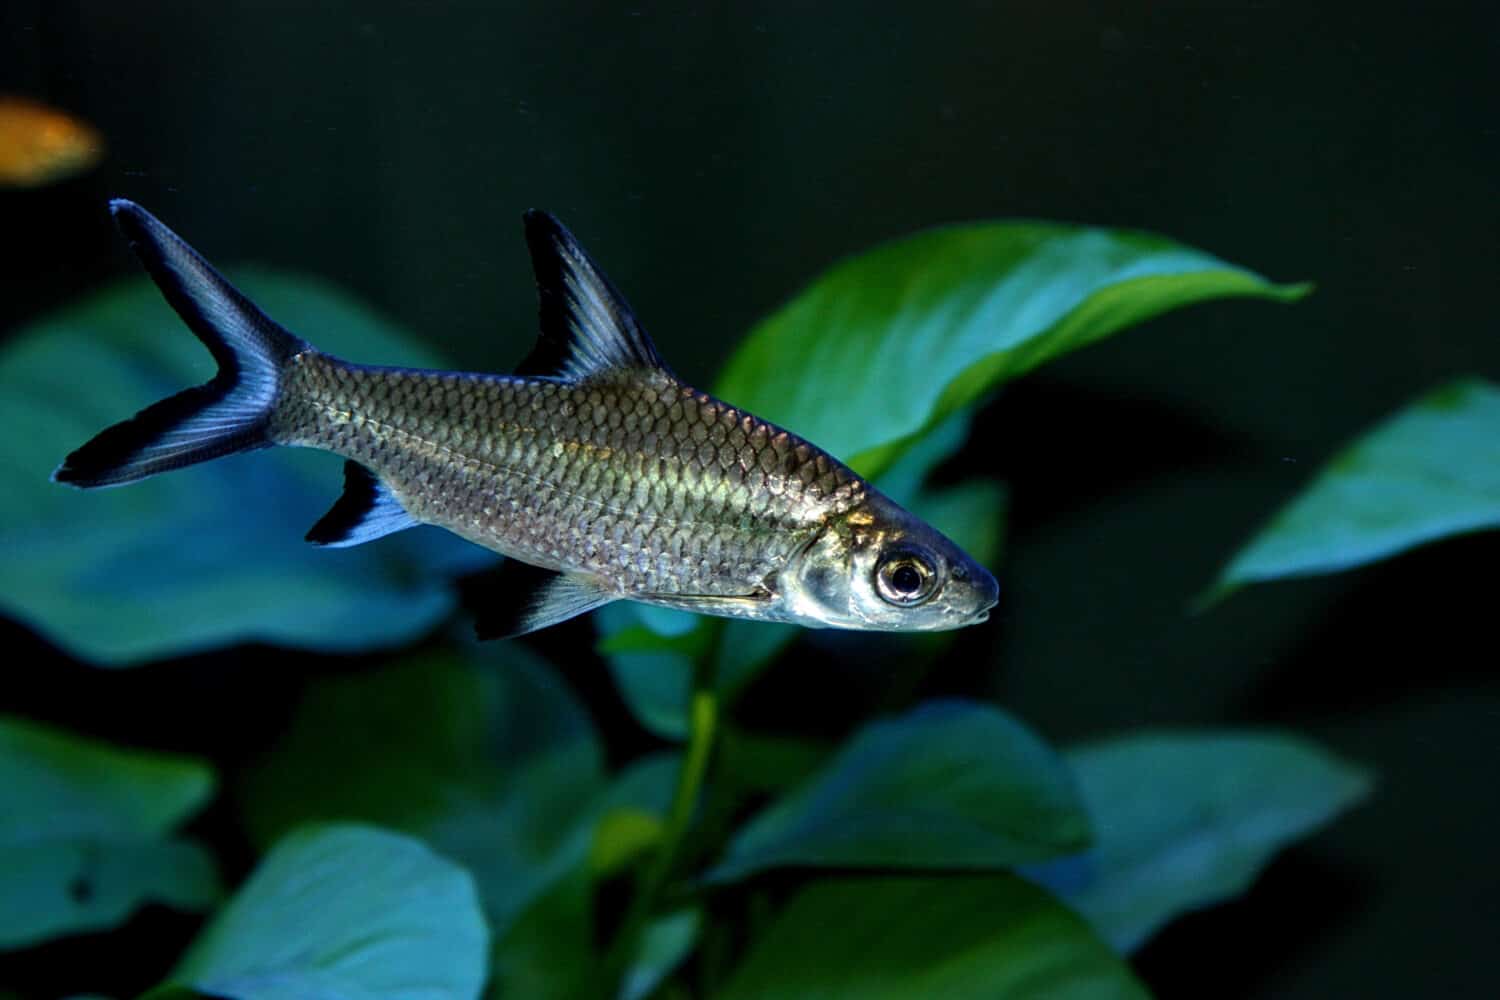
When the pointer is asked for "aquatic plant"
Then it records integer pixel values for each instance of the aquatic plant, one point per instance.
(443, 820)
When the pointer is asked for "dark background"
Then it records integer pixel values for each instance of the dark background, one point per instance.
(715, 158)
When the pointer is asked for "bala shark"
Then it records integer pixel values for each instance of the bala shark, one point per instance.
(596, 471)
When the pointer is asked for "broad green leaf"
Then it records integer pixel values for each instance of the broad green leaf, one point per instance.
(204, 556)
(892, 341)
(971, 513)
(345, 912)
(949, 785)
(981, 937)
(1185, 820)
(85, 833)
(906, 477)
(1431, 471)
(484, 754)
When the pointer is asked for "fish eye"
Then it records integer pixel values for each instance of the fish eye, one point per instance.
(905, 578)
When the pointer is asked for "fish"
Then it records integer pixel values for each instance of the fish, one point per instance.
(40, 145)
(597, 472)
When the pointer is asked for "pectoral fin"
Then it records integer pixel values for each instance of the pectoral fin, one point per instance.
(529, 598)
(366, 510)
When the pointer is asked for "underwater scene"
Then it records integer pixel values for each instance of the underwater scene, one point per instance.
(658, 502)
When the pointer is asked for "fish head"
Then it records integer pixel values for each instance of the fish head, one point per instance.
(878, 567)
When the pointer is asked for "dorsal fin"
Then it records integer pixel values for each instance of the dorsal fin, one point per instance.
(587, 327)
(365, 511)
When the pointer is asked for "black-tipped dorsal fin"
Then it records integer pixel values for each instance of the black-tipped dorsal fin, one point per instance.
(587, 327)
(528, 598)
(365, 511)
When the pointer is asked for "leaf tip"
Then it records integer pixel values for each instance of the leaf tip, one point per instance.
(1213, 595)
(1294, 291)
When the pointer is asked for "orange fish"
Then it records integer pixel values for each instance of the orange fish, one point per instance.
(39, 145)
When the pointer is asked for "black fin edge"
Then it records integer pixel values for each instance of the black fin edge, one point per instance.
(106, 458)
(527, 598)
(227, 414)
(153, 243)
(565, 346)
(365, 511)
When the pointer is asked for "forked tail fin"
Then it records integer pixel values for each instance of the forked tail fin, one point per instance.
(229, 413)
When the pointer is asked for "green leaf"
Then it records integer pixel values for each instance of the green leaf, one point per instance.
(632, 815)
(760, 763)
(209, 555)
(949, 785)
(485, 755)
(549, 950)
(978, 937)
(1431, 471)
(666, 943)
(651, 651)
(971, 513)
(916, 329)
(1185, 820)
(85, 833)
(345, 913)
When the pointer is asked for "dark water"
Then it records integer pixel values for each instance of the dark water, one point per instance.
(714, 159)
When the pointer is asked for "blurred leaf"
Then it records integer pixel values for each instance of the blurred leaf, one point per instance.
(1185, 820)
(633, 813)
(688, 646)
(204, 556)
(345, 913)
(744, 649)
(971, 513)
(979, 937)
(760, 762)
(918, 328)
(84, 833)
(549, 950)
(668, 940)
(1431, 471)
(485, 755)
(650, 655)
(623, 835)
(949, 785)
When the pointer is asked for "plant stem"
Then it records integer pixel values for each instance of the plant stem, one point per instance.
(703, 717)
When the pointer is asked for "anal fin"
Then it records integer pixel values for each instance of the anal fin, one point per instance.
(530, 598)
(366, 510)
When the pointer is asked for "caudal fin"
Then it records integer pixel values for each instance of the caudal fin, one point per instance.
(229, 413)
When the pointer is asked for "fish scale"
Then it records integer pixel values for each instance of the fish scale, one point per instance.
(642, 481)
(596, 470)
